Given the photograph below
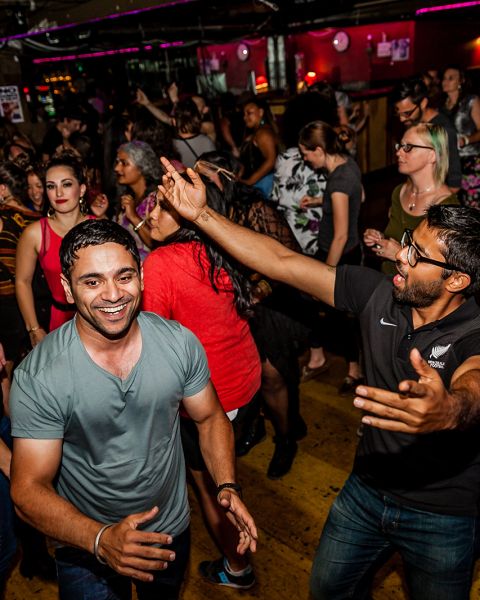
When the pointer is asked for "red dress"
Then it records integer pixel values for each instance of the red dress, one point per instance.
(49, 259)
(177, 287)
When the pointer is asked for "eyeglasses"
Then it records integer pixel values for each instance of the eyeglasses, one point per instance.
(407, 113)
(414, 256)
(409, 147)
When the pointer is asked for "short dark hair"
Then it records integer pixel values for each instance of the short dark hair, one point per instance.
(459, 229)
(94, 232)
(413, 88)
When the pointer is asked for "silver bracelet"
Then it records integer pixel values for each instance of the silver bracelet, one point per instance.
(97, 542)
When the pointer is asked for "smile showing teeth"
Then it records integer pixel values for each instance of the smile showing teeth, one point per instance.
(113, 310)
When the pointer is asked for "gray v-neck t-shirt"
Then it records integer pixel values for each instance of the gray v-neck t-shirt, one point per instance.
(122, 450)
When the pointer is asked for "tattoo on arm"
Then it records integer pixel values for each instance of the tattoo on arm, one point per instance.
(204, 216)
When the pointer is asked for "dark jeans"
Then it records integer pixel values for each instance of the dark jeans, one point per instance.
(82, 577)
(364, 528)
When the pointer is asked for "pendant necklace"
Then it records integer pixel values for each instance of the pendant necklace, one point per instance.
(412, 205)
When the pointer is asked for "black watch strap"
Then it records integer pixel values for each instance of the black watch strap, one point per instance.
(230, 486)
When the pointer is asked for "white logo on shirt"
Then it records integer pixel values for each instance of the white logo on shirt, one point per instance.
(437, 352)
(383, 322)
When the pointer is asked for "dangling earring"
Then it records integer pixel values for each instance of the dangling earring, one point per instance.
(83, 205)
(50, 213)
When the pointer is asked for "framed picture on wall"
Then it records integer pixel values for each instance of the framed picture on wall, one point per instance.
(401, 49)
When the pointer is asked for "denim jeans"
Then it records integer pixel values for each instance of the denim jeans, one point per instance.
(364, 528)
(82, 577)
(8, 542)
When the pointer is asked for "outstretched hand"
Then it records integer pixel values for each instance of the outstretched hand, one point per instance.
(238, 514)
(419, 406)
(188, 199)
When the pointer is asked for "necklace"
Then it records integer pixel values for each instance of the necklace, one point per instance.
(414, 193)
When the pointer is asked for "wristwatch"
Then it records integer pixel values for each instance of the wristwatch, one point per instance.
(231, 486)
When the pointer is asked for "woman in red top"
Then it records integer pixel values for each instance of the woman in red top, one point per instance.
(190, 280)
(65, 185)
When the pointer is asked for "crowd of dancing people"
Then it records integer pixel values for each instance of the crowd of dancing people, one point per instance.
(66, 201)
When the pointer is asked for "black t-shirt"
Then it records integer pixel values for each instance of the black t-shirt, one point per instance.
(346, 179)
(437, 472)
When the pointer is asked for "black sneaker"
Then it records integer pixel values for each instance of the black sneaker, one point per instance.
(256, 433)
(283, 457)
(215, 572)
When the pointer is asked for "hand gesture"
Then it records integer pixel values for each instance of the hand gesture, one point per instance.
(188, 199)
(419, 406)
(238, 514)
(99, 206)
(141, 98)
(127, 202)
(372, 237)
(131, 552)
(310, 202)
(387, 248)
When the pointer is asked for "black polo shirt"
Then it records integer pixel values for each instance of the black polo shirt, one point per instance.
(437, 472)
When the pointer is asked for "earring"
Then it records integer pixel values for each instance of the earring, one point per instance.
(50, 213)
(83, 205)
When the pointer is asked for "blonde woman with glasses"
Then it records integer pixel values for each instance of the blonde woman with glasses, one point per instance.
(422, 155)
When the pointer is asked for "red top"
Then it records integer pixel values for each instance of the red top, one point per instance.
(49, 259)
(176, 287)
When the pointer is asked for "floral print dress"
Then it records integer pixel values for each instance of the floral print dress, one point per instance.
(294, 179)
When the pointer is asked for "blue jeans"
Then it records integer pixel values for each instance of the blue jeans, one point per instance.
(364, 528)
(82, 577)
(8, 542)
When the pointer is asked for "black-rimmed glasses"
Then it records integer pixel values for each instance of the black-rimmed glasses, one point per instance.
(406, 114)
(414, 255)
(409, 147)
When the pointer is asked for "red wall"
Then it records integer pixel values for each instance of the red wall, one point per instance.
(236, 70)
(359, 62)
(432, 44)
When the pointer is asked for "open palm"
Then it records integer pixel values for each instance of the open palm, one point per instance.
(188, 199)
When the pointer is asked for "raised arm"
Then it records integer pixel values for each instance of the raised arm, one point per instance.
(217, 445)
(258, 252)
(127, 550)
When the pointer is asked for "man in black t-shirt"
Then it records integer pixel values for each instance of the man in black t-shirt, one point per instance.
(415, 486)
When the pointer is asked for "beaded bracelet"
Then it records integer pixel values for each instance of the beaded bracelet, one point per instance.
(32, 329)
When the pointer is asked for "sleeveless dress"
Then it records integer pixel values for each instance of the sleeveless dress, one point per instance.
(49, 259)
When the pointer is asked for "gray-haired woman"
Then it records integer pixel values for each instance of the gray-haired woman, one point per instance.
(138, 173)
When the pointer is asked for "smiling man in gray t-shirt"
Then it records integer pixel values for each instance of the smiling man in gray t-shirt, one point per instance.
(97, 460)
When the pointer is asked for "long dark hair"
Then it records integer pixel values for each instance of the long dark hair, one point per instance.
(217, 257)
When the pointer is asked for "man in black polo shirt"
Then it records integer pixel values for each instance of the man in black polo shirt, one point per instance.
(410, 99)
(415, 494)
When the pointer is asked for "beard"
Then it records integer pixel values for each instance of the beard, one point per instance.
(418, 294)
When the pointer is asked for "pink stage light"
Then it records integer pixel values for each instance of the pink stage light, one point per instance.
(137, 11)
(429, 9)
(38, 61)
